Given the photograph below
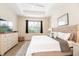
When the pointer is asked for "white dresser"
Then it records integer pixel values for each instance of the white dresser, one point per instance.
(7, 41)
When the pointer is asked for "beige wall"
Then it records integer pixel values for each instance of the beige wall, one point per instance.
(71, 9)
(19, 25)
(7, 14)
(22, 27)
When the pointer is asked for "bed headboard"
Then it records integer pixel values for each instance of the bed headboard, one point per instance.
(68, 29)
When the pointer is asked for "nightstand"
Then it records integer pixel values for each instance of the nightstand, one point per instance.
(75, 49)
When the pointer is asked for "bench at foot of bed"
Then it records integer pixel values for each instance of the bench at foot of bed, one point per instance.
(53, 53)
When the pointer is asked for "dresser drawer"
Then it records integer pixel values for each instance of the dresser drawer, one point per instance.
(7, 41)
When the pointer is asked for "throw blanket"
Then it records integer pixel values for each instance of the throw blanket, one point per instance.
(63, 45)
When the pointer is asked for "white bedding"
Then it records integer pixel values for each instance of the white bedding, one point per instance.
(42, 43)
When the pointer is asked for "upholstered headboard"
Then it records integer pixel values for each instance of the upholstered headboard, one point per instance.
(68, 29)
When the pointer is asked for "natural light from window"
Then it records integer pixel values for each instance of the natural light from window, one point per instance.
(34, 26)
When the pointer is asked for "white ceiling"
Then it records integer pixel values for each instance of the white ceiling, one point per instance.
(36, 9)
(31, 9)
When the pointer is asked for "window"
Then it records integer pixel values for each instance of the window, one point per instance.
(34, 26)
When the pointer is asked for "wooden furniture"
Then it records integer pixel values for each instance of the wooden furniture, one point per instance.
(20, 39)
(7, 41)
(74, 29)
(53, 53)
(75, 49)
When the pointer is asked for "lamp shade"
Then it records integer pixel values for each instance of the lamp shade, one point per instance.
(50, 29)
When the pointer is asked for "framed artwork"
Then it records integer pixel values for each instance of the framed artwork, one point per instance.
(63, 20)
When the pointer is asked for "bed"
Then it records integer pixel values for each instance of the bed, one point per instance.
(44, 43)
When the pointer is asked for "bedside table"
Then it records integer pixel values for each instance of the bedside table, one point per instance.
(75, 49)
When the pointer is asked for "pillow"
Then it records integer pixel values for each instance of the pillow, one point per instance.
(54, 34)
(50, 35)
(64, 36)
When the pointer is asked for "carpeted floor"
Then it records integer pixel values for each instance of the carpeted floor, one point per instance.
(15, 49)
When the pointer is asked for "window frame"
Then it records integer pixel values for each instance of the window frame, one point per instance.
(41, 26)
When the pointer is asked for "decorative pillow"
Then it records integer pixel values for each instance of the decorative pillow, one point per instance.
(64, 36)
(54, 34)
(50, 35)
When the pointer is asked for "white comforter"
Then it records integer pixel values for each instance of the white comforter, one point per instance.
(42, 43)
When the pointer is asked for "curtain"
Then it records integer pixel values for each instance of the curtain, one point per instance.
(41, 31)
(26, 26)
